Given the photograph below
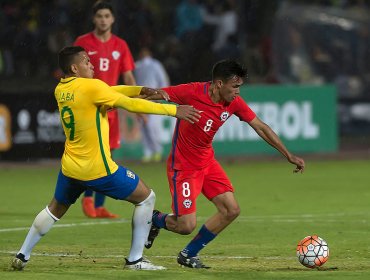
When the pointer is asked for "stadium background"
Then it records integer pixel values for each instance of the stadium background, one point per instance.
(285, 44)
(310, 57)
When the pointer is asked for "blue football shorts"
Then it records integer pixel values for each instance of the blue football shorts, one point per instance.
(118, 185)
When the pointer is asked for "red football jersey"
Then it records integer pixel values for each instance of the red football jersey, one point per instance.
(192, 143)
(110, 59)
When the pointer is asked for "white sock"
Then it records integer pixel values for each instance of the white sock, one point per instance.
(41, 225)
(141, 223)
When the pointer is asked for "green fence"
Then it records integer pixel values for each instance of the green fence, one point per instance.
(304, 117)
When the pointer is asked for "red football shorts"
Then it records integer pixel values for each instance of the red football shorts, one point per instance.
(186, 185)
(114, 135)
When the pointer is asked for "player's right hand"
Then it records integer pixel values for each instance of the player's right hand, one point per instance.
(188, 113)
(299, 162)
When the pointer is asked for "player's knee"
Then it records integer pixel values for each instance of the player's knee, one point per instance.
(231, 213)
(234, 212)
(185, 230)
(187, 227)
(151, 197)
(150, 200)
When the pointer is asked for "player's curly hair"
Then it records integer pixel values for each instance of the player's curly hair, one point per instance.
(65, 57)
(226, 69)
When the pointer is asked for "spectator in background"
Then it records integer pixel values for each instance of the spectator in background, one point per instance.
(150, 72)
(6, 41)
(189, 30)
(111, 57)
(137, 22)
(24, 48)
(188, 18)
(225, 20)
(171, 58)
(56, 40)
(296, 65)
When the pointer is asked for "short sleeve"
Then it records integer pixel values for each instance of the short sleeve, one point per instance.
(101, 93)
(180, 94)
(243, 111)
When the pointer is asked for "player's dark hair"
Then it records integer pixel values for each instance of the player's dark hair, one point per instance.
(226, 69)
(99, 5)
(66, 55)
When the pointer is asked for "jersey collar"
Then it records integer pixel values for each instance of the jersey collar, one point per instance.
(67, 80)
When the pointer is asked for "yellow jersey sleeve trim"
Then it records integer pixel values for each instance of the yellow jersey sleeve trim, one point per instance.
(130, 91)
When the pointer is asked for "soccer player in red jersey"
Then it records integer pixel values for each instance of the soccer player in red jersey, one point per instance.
(192, 168)
(110, 56)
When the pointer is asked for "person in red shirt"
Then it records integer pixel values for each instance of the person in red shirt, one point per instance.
(191, 166)
(110, 56)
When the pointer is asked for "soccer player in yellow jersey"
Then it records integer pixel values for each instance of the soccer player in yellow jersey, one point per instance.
(86, 162)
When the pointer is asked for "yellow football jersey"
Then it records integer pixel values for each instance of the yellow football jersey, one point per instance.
(83, 105)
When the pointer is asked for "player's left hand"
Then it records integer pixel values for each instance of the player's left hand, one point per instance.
(153, 94)
(164, 94)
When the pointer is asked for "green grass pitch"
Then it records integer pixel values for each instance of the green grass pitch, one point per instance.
(331, 199)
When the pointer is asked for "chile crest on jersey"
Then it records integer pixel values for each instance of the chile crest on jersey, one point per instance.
(116, 55)
(224, 116)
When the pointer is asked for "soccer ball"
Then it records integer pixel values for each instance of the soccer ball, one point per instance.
(312, 251)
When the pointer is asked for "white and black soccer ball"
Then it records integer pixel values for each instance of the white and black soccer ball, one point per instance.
(312, 251)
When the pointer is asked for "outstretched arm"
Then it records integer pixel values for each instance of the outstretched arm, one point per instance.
(142, 92)
(130, 91)
(267, 134)
(135, 105)
(103, 95)
(154, 94)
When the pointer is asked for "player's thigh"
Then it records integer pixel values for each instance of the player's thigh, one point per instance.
(58, 209)
(67, 190)
(185, 187)
(123, 184)
(139, 194)
(216, 181)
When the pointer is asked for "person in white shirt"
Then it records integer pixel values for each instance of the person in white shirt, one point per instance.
(226, 22)
(150, 72)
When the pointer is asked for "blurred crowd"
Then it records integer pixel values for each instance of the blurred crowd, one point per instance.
(329, 44)
(187, 36)
(32, 33)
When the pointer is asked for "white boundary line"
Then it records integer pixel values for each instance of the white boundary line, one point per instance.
(67, 255)
(121, 221)
(327, 217)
